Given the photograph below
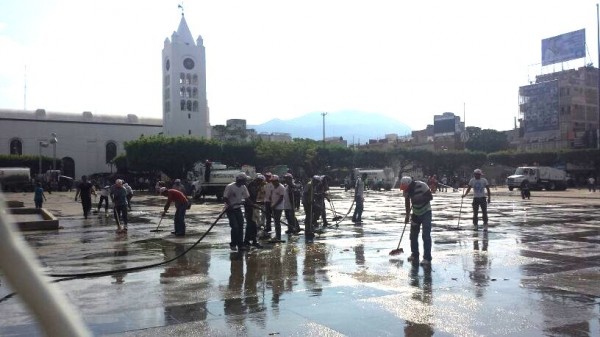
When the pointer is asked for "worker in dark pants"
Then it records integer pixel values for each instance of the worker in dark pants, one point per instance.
(85, 189)
(479, 185)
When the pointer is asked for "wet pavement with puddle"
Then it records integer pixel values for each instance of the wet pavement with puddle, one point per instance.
(535, 272)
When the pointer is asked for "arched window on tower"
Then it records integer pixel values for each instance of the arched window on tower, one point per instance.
(183, 105)
(188, 79)
(111, 151)
(195, 79)
(195, 105)
(195, 93)
(189, 105)
(181, 91)
(16, 147)
(188, 92)
(181, 78)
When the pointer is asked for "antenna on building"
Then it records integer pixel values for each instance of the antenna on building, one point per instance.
(25, 89)
(180, 6)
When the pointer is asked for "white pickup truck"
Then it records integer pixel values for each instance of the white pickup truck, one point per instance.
(538, 177)
(220, 177)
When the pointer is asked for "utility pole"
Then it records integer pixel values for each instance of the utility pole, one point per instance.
(323, 114)
(598, 67)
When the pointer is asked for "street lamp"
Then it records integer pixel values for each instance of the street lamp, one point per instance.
(323, 114)
(42, 144)
(53, 141)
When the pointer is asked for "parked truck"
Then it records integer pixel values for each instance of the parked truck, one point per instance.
(377, 179)
(16, 179)
(220, 177)
(538, 177)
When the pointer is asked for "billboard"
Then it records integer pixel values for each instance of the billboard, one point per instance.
(563, 47)
(539, 106)
(444, 124)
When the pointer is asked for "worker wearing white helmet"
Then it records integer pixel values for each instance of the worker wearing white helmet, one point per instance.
(479, 185)
(417, 197)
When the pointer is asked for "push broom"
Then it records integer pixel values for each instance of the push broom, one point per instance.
(399, 250)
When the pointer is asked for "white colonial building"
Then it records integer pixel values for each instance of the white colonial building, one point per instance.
(87, 142)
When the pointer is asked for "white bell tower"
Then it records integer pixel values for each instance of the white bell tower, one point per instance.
(185, 107)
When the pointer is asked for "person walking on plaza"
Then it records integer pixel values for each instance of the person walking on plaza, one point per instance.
(38, 195)
(359, 198)
(85, 189)
(417, 197)
(104, 194)
(234, 196)
(479, 186)
(118, 194)
(591, 184)
(181, 205)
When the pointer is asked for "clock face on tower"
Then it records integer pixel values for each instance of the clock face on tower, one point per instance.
(188, 63)
(168, 64)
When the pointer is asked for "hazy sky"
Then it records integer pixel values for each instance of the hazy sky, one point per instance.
(280, 59)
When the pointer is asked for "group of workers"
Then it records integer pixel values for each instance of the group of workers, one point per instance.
(267, 197)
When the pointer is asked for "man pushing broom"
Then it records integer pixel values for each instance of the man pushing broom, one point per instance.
(417, 196)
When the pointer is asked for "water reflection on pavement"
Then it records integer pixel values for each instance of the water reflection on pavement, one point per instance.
(536, 272)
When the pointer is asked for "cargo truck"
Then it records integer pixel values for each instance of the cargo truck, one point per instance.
(538, 177)
(16, 179)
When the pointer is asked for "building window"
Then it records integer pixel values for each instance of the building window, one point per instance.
(181, 78)
(181, 91)
(189, 105)
(16, 147)
(195, 79)
(195, 93)
(195, 106)
(111, 151)
(189, 116)
(188, 79)
(188, 92)
(189, 132)
(182, 105)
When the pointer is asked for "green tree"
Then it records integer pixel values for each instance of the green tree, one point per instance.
(486, 140)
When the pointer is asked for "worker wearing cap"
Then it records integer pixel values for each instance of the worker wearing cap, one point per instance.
(234, 196)
(181, 206)
(417, 196)
(359, 199)
(118, 195)
(289, 203)
(277, 205)
(252, 211)
(267, 200)
(479, 185)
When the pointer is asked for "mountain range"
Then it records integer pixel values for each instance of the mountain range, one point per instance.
(353, 126)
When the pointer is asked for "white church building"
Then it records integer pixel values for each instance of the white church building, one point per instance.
(85, 142)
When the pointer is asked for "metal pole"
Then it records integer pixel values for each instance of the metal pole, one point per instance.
(598, 72)
(323, 114)
(40, 167)
(54, 156)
